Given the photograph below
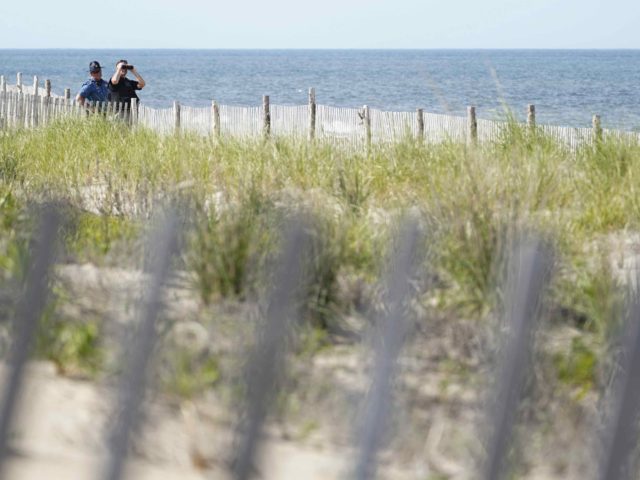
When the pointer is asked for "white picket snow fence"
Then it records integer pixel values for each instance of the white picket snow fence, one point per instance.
(290, 121)
(351, 127)
(240, 121)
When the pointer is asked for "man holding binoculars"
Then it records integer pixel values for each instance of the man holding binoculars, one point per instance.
(122, 89)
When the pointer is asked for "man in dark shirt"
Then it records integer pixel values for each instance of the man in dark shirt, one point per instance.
(122, 89)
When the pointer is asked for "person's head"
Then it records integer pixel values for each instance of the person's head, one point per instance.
(122, 67)
(95, 70)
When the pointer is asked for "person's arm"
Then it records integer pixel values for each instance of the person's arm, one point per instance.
(83, 93)
(141, 82)
(115, 78)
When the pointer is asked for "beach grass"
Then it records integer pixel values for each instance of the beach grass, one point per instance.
(472, 201)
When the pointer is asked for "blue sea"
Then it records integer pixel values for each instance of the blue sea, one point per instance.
(567, 86)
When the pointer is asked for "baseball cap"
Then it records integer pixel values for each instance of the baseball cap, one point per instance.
(94, 67)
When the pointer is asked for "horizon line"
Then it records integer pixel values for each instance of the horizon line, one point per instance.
(331, 48)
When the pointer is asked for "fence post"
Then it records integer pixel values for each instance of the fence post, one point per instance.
(621, 431)
(26, 112)
(8, 109)
(176, 116)
(266, 126)
(531, 116)
(19, 81)
(420, 115)
(139, 352)
(3, 102)
(528, 269)
(366, 118)
(57, 107)
(266, 365)
(215, 119)
(392, 329)
(46, 101)
(133, 112)
(312, 114)
(34, 106)
(597, 129)
(67, 96)
(20, 110)
(472, 125)
(27, 317)
(44, 105)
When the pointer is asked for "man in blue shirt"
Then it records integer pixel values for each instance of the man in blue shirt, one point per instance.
(95, 89)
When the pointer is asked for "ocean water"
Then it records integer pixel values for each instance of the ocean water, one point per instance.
(567, 86)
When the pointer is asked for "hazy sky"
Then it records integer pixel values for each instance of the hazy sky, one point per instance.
(324, 24)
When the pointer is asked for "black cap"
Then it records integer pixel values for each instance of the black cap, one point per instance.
(94, 67)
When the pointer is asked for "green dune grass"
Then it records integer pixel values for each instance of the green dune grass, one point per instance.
(472, 202)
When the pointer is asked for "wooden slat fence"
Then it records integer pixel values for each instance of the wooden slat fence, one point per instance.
(240, 121)
(531, 267)
(393, 126)
(24, 106)
(196, 120)
(441, 128)
(290, 121)
(159, 120)
(340, 126)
